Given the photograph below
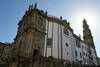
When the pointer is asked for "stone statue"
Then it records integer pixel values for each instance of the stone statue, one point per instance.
(35, 6)
(46, 12)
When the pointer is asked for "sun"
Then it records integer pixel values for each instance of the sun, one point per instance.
(89, 16)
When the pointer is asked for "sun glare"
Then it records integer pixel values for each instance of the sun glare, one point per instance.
(90, 18)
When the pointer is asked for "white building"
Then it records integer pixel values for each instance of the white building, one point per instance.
(59, 39)
(84, 48)
(93, 54)
(78, 49)
(62, 43)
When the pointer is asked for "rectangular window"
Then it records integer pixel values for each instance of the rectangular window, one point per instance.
(49, 42)
(67, 53)
(77, 43)
(80, 55)
(84, 60)
(76, 53)
(83, 53)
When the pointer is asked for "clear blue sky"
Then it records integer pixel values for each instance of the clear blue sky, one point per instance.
(11, 12)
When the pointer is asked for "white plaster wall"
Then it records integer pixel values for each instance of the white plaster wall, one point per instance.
(55, 40)
(49, 35)
(50, 30)
(92, 52)
(48, 52)
(56, 46)
(56, 49)
(74, 48)
(79, 50)
(53, 33)
(93, 55)
(67, 39)
(84, 49)
(73, 45)
(59, 30)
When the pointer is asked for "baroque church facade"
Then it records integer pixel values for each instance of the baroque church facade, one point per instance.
(40, 34)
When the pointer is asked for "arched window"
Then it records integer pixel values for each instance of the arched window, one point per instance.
(66, 44)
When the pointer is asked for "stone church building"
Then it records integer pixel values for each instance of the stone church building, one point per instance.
(45, 38)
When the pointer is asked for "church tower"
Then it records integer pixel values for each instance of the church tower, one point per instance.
(87, 35)
(30, 37)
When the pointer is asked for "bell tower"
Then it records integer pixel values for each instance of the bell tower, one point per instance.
(30, 37)
(87, 35)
